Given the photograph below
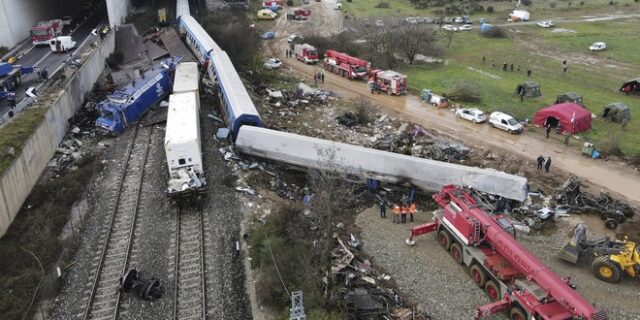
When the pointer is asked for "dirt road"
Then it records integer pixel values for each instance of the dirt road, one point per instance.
(616, 177)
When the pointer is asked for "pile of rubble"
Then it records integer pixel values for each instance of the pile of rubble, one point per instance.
(365, 292)
(573, 200)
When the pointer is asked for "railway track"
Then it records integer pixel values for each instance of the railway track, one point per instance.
(190, 300)
(104, 299)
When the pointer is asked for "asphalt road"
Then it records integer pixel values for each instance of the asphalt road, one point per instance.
(44, 58)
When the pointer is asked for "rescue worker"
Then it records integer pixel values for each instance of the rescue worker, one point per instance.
(396, 214)
(412, 211)
(540, 162)
(404, 210)
(383, 209)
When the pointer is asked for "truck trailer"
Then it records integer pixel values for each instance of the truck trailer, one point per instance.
(11, 78)
(515, 280)
(129, 104)
(388, 81)
(306, 53)
(345, 65)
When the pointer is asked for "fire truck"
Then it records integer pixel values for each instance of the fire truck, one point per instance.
(306, 53)
(388, 81)
(44, 31)
(345, 65)
(515, 280)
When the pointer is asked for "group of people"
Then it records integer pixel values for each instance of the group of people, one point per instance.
(400, 212)
(318, 76)
(288, 53)
(506, 66)
(541, 162)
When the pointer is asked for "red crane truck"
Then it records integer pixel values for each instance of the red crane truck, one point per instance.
(388, 81)
(515, 280)
(345, 65)
(306, 53)
(44, 31)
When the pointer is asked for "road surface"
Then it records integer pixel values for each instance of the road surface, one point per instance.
(616, 177)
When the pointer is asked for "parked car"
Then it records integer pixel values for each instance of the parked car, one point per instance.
(447, 20)
(272, 63)
(474, 115)
(448, 27)
(293, 37)
(505, 122)
(466, 20)
(268, 35)
(598, 46)
(458, 20)
(466, 27)
(546, 24)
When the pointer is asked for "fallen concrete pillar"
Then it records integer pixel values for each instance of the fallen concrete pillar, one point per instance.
(376, 164)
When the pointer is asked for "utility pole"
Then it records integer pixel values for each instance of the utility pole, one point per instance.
(297, 307)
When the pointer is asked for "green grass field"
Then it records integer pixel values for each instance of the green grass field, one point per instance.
(597, 76)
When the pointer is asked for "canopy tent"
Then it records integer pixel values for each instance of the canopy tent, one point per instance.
(616, 112)
(570, 97)
(572, 117)
(531, 89)
(631, 86)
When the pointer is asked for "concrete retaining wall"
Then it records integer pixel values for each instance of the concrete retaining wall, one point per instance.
(18, 180)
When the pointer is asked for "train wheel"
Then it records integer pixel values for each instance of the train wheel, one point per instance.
(444, 239)
(492, 289)
(517, 313)
(456, 252)
(606, 270)
(477, 275)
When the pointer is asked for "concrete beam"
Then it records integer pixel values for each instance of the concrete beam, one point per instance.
(376, 164)
(118, 11)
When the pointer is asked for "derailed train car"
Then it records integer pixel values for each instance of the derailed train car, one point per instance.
(182, 142)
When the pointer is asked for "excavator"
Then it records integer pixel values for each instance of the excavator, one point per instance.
(613, 258)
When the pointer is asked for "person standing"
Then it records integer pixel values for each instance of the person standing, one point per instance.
(396, 214)
(547, 165)
(528, 72)
(484, 59)
(548, 130)
(412, 211)
(404, 210)
(566, 139)
(383, 209)
(540, 161)
(564, 67)
(322, 75)
(504, 66)
(511, 67)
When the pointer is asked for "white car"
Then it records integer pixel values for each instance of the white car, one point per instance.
(466, 27)
(546, 24)
(474, 115)
(598, 46)
(505, 122)
(458, 20)
(337, 6)
(411, 20)
(448, 27)
(292, 37)
(272, 64)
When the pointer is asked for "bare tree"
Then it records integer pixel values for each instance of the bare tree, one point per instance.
(413, 39)
(449, 35)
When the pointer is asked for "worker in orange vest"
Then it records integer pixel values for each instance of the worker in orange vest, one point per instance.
(412, 211)
(396, 214)
(404, 210)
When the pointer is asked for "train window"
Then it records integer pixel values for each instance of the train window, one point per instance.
(181, 162)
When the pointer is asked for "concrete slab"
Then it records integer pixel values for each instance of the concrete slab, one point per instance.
(129, 42)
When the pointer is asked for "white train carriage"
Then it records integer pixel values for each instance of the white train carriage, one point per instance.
(186, 79)
(182, 144)
(182, 8)
(197, 38)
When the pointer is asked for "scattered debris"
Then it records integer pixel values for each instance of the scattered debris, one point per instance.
(222, 133)
(143, 285)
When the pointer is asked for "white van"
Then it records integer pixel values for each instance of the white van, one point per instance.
(505, 122)
(62, 44)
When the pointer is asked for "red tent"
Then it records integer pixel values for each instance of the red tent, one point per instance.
(572, 117)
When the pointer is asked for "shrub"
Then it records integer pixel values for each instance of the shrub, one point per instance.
(490, 9)
(465, 91)
(383, 5)
(290, 3)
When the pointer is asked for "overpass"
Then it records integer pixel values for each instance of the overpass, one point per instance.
(17, 16)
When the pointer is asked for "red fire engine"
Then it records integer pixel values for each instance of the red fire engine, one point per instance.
(345, 65)
(44, 31)
(388, 81)
(515, 280)
(306, 53)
